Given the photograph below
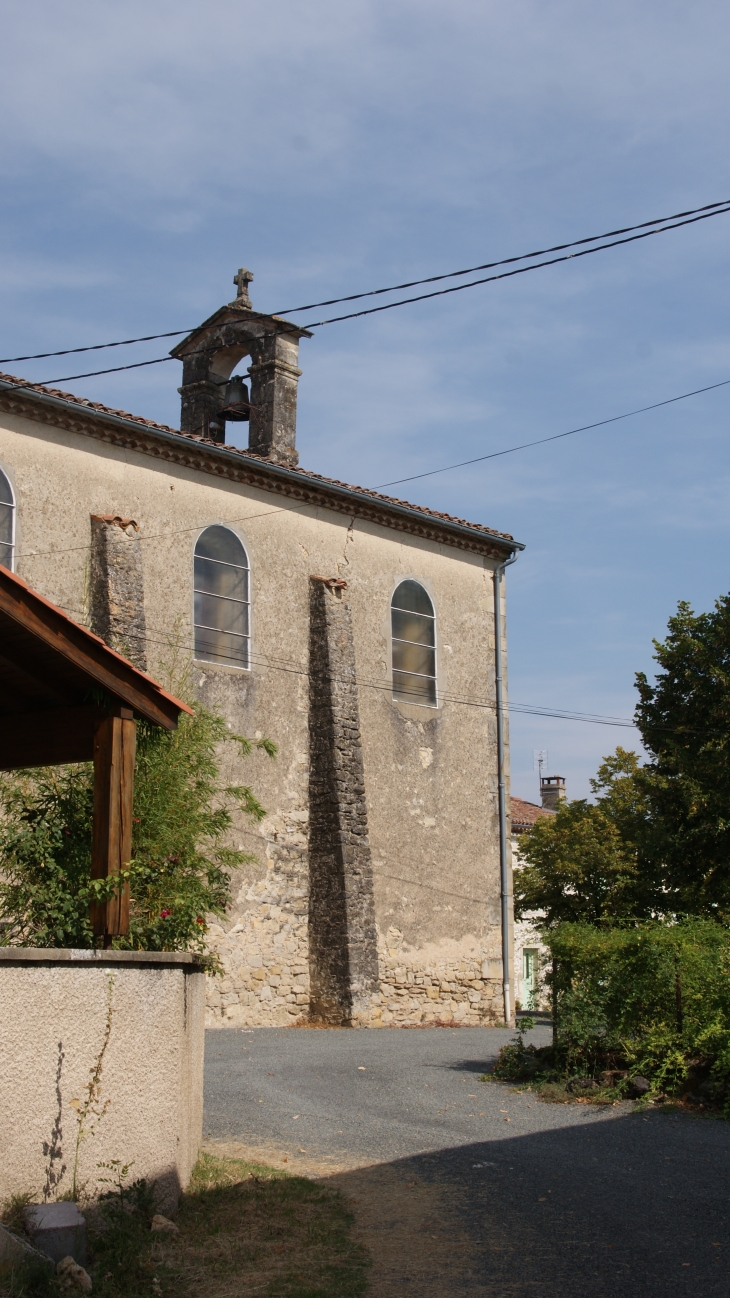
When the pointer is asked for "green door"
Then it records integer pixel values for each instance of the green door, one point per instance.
(530, 977)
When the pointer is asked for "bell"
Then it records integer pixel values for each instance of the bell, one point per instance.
(236, 405)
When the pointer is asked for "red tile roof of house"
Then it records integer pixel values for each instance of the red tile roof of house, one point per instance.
(525, 814)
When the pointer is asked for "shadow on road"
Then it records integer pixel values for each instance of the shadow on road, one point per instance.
(479, 1066)
(636, 1204)
(462, 1188)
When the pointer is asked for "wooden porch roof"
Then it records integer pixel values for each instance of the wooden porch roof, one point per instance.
(57, 679)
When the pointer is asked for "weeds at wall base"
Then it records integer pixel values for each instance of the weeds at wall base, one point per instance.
(242, 1228)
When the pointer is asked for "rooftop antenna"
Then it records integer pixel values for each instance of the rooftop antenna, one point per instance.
(540, 763)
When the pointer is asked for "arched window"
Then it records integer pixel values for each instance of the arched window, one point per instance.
(222, 599)
(413, 626)
(7, 523)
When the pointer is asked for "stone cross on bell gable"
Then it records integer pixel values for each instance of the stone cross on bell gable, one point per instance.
(242, 280)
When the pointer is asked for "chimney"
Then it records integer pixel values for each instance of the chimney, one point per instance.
(210, 398)
(552, 791)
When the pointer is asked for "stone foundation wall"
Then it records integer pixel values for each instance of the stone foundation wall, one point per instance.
(451, 993)
(266, 962)
(455, 985)
(265, 950)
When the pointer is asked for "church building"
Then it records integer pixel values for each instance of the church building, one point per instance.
(355, 630)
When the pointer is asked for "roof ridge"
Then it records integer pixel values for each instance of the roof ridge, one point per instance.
(97, 407)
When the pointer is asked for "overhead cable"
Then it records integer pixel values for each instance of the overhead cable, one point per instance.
(555, 437)
(447, 468)
(441, 292)
(699, 213)
(290, 667)
(90, 374)
(507, 274)
(506, 261)
(294, 669)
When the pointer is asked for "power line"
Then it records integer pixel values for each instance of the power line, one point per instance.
(292, 668)
(94, 347)
(90, 374)
(489, 265)
(540, 441)
(698, 213)
(507, 274)
(441, 292)
(430, 473)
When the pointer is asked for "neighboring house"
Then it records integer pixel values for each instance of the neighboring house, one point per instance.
(352, 628)
(530, 953)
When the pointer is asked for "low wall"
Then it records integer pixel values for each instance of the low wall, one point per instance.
(101, 1059)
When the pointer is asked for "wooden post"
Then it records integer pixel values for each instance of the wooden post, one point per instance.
(114, 748)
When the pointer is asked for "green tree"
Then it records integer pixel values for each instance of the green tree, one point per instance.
(182, 859)
(684, 720)
(671, 814)
(577, 868)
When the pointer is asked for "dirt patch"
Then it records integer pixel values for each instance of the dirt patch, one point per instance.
(412, 1232)
(246, 1229)
(409, 1226)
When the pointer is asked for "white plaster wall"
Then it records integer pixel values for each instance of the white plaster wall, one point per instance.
(527, 935)
(430, 773)
(149, 1107)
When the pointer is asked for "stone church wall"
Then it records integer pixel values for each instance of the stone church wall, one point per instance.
(429, 773)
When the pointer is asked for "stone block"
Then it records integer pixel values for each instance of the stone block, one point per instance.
(14, 1250)
(58, 1230)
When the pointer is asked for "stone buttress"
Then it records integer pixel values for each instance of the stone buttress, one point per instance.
(116, 588)
(343, 959)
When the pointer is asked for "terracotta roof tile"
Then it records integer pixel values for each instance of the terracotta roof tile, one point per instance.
(526, 814)
(11, 579)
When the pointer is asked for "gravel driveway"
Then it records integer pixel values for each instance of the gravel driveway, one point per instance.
(468, 1187)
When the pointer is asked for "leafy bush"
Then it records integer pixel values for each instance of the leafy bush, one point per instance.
(182, 861)
(517, 1060)
(653, 999)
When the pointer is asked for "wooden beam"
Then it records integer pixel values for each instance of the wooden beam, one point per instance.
(48, 738)
(21, 683)
(86, 652)
(111, 849)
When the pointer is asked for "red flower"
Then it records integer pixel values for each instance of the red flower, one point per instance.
(200, 921)
(164, 913)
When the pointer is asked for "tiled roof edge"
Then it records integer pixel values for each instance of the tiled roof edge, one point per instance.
(526, 814)
(92, 418)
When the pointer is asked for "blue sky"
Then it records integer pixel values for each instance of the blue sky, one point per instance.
(149, 149)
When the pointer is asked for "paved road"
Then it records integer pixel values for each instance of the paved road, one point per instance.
(559, 1201)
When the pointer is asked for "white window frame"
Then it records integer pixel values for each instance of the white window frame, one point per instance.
(416, 703)
(209, 662)
(13, 517)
